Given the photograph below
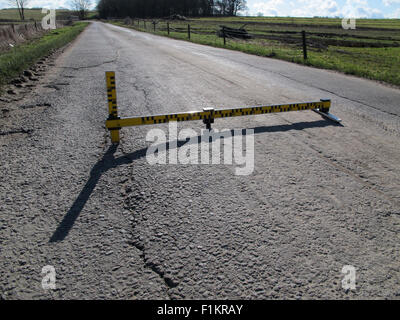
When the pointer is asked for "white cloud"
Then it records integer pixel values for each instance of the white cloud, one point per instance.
(270, 8)
(299, 8)
(49, 4)
(390, 2)
(359, 9)
(322, 8)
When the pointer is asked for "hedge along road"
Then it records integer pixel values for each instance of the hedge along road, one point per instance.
(321, 196)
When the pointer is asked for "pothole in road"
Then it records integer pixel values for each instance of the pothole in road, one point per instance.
(56, 86)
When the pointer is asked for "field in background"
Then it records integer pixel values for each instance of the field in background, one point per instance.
(372, 50)
(333, 22)
(11, 15)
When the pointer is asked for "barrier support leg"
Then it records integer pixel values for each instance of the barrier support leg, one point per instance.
(112, 105)
(208, 121)
(114, 133)
(325, 112)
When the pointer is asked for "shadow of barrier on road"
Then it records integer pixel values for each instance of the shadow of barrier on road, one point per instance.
(108, 161)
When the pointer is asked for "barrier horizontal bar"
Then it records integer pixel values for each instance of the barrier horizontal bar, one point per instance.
(208, 114)
(114, 123)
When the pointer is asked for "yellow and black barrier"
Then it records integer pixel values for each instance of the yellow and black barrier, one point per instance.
(115, 123)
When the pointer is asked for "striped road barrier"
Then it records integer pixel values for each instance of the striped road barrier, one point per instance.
(114, 123)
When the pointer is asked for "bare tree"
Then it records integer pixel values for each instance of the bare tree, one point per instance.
(230, 7)
(82, 7)
(236, 5)
(221, 6)
(21, 5)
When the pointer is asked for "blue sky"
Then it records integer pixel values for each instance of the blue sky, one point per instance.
(341, 8)
(296, 8)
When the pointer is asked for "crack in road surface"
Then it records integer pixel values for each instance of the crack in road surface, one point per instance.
(16, 131)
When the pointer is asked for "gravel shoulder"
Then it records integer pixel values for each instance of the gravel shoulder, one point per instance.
(321, 196)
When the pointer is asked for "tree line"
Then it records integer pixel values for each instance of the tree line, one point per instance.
(166, 8)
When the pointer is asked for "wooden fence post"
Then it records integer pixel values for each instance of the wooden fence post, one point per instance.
(304, 45)
(168, 27)
(224, 34)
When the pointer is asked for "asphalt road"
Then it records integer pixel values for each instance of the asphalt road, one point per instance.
(321, 196)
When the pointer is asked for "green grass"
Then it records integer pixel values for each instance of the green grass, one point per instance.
(21, 57)
(381, 64)
(330, 46)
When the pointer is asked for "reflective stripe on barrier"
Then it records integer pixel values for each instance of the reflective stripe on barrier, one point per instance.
(114, 123)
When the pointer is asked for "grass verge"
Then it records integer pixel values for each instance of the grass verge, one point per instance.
(21, 57)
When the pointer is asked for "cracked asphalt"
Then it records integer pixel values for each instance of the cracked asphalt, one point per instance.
(321, 196)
